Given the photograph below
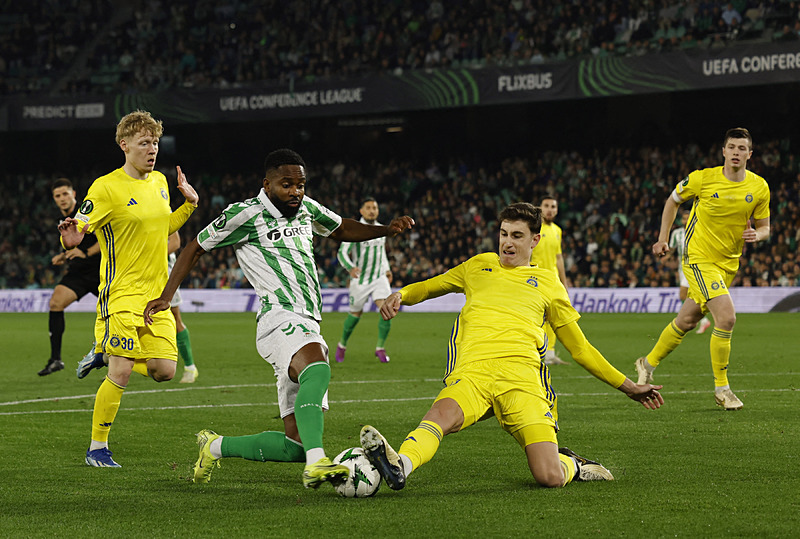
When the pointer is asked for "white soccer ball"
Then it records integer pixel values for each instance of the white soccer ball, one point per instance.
(363, 480)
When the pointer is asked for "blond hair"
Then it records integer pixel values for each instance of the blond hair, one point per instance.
(136, 122)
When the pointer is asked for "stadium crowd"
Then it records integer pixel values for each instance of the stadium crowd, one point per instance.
(77, 47)
(610, 209)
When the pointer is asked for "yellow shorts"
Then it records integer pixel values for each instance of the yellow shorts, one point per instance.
(707, 281)
(125, 334)
(516, 391)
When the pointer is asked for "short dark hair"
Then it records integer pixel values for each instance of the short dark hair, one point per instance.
(61, 182)
(548, 196)
(737, 132)
(368, 199)
(523, 211)
(281, 157)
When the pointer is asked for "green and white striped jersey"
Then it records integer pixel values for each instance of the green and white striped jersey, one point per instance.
(677, 240)
(369, 256)
(276, 254)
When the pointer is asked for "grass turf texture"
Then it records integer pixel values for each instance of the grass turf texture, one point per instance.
(689, 469)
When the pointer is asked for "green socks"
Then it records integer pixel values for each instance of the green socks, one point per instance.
(308, 405)
(383, 331)
(185, 347)
(349, 325)
(270, 445)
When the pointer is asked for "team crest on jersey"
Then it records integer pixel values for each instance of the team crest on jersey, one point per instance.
(164, 194)
(220, 221)
(271, 223)
(86, 207)
(749, 198)
(533, 281)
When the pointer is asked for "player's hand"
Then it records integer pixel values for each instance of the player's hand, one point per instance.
(59, 259)
(70, 234)
(749, 235)
(355, 272)
(74, 253)
(391, 306)
(186, 189)
(660, 248)
(647, 394)
(400, 224)
(153, 307)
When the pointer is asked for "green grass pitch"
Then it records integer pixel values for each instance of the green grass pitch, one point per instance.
(687, 470)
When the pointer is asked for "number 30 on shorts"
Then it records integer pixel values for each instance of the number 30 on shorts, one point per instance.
(125, 344)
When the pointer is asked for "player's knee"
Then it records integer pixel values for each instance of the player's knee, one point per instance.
(56, 304)
(161, 376)
(726, 322)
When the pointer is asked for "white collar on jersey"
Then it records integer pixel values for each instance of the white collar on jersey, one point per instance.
(273, 211)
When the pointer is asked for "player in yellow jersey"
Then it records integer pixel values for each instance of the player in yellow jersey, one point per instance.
(495, 364)
(129, 212)
(548, 255)
(725, 199)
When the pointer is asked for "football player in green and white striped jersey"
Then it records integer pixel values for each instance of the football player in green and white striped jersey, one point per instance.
(272, 237)
(370, 275)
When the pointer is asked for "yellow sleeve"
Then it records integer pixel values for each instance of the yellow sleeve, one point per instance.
(588, 356)
(179, 216)
(451, 281)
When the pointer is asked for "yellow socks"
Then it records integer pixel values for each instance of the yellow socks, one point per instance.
(422, 443)
(720, 355)
(669, 340)
(106, 404)
(569, 467)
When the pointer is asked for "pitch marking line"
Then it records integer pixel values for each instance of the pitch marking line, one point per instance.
(352, 401)
(334, 383)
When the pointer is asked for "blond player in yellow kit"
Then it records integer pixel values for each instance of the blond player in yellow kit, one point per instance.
(725, 200)
(495, 360)
(129, 212)
(548, 255)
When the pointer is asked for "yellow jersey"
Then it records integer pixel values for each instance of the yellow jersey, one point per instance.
(719, 215)
(132, 220)
(505, 311)
(546, 252)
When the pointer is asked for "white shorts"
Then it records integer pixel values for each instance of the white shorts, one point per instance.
(279, 335)
(682, 278)
(360, 293)
(176, 299)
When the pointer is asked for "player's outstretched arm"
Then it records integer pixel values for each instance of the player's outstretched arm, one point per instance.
(186, 261)
(391, 306)
(71, 236)
(352, 230)
(588, 357)
(647, 394)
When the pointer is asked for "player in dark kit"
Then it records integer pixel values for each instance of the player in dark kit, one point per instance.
(82, 276)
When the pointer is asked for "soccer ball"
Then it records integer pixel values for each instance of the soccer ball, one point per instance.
(363, 480)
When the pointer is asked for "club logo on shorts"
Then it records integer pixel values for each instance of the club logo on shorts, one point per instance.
(164, 194)
(533, 281)
(749, 198)
(114, 342)
(86, 207)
